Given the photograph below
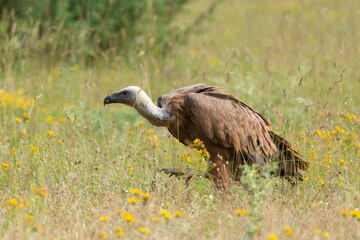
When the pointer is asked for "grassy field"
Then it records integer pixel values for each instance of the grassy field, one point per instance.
(74, 169)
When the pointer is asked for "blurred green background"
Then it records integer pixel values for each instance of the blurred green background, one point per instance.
(74, 30)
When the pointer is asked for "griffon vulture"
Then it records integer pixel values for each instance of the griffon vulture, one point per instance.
(233, 133)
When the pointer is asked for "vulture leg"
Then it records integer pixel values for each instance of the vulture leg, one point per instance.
(220, 173)
(186, 174)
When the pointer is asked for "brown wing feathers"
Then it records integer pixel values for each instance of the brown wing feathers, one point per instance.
(221, 120)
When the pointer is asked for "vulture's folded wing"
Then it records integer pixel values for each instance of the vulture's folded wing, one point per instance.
(228, 122)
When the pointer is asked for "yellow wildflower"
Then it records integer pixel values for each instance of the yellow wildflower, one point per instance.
(49, 119)
(325, 234)
(241, 212)
(354, 212)
(272, 236)
(133, 200)
(4, 166)
(77, 66)
(193, 52)
(104, 219)
(18, 119)
(288, 230)
(135, 191)
(351, 116)
(165, 214)
(57, 72)
(144, 230)
(342, 162)
(29, 217)
(102, 235)
(344, 213)
(34, 149)
(119, 229)
(145, 196)
(51, 133)
(162, 212)
(168, 203)
(120, 212)
(256, 228)
(120, 234)
(42, 192)
(155, 219)
(12, 151)
(207, 154)
(178, 213)
(198, 142)
(141, 123)
(25, 116)
(13, 201)
(62, 119)
(129, 217)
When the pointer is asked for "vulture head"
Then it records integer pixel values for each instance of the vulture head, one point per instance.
(134, 96)
(125, 96)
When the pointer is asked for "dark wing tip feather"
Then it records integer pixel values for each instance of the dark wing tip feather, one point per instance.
(287, 148)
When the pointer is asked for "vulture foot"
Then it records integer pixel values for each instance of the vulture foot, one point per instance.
(186, 174)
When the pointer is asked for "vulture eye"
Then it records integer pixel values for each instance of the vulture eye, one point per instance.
(125, 93)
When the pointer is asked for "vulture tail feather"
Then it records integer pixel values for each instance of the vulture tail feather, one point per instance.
(289, 159)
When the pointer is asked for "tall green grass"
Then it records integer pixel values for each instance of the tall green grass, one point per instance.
(68, 163)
